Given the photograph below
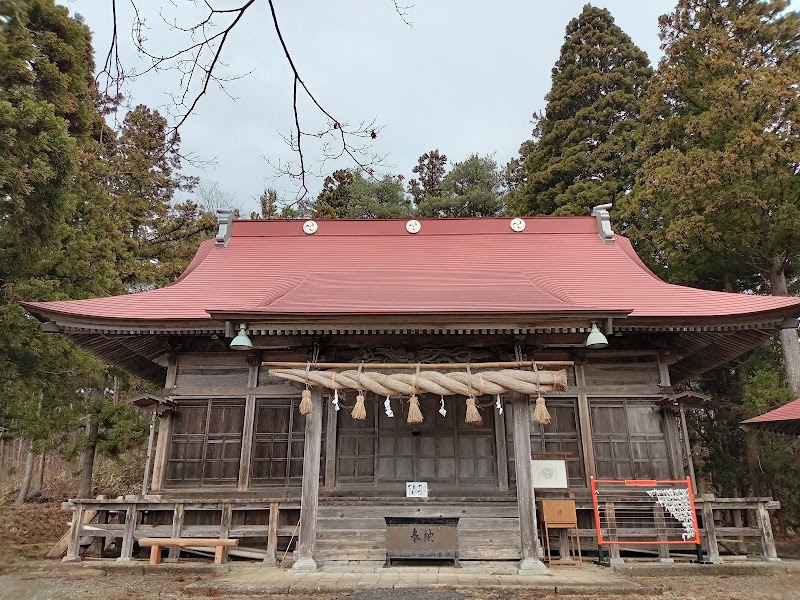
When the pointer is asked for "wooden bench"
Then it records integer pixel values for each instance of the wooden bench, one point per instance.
(157, 543)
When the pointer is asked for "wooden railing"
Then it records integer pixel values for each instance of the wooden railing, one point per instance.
(727, 522)
(98, 522)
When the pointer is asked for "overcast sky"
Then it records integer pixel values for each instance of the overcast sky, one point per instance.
(464, 78)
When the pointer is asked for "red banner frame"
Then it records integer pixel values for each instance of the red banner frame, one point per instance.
(643, 482)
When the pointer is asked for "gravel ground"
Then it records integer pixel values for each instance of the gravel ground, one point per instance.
(85, 584)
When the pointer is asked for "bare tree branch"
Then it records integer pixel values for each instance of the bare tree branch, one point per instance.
(199, 63)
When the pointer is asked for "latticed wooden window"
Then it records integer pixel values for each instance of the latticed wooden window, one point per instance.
(629, 439)
(278, 443)
(206, 443)
(355, 455)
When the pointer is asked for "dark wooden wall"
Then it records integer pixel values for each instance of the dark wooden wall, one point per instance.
(238, 429)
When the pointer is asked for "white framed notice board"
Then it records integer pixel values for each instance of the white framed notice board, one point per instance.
(549, 474)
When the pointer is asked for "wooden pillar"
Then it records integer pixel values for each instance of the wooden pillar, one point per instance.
(224, 532)
(74, 541)
(501, 449)
(614, 557)
(127, 534)
(663, 549)
(710, 529)
(162, 451)
(164, 431)
(304, 556)
(330, 447)
(177, 529)
(585, 424)
(272, 534)
(688, 448)
(247, 443)
(530, 562)
(767, 541)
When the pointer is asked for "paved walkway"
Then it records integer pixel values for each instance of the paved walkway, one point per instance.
(260, 579)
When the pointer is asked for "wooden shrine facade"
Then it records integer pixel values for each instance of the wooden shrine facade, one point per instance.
(237, 429)
(460, 292)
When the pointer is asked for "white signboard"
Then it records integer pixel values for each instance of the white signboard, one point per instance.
(416, 489)
(549, 474)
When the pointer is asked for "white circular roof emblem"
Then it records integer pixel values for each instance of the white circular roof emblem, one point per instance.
(413, 226)
(517, 224)
(310, 227)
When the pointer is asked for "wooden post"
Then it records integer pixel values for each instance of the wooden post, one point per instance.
(330, 447)
(272, 534)
(127, 534)
(149, 459)
(221, 555)
(687, 447)
(767, 541)
(663, 549)
(613, 549)
(526, 502)
(710, 528)
(585, 424)
(162, 451)
(74, 542)
(738, 522)
(247, 443)
(177, 530)
(501, 449)
(310, 495)
(164, 430)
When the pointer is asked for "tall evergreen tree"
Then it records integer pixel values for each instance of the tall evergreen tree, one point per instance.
(717, 200)
(430, 170)
(581, 154)
(335, 196)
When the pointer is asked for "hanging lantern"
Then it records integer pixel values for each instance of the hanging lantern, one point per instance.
(414, 413)
(359, 410)
(473, 416)
(540, 413)
(306, 407)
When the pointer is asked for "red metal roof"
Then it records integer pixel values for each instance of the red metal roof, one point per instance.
(558, 265)
(785, 419)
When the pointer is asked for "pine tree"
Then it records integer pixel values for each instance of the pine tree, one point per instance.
(472, 188)
(717, 200)
(430, 170)
(334, 199)
(381, 198)
(582, 150)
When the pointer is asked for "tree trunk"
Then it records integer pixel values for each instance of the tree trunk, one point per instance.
(87, 461)
(789, 340)
(37, 487)
(26, 476)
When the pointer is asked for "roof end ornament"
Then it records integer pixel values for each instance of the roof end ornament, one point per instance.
(224, 222)
(604, 230)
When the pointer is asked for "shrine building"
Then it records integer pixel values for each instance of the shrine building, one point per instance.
(312, 369)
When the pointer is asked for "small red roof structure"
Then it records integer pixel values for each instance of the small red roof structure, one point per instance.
(537, 275)
(785, 419)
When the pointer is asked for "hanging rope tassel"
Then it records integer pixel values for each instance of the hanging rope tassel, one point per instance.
(540, 413)
(473, 416)
(414, 413)
(359, 410)
(306, 407)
